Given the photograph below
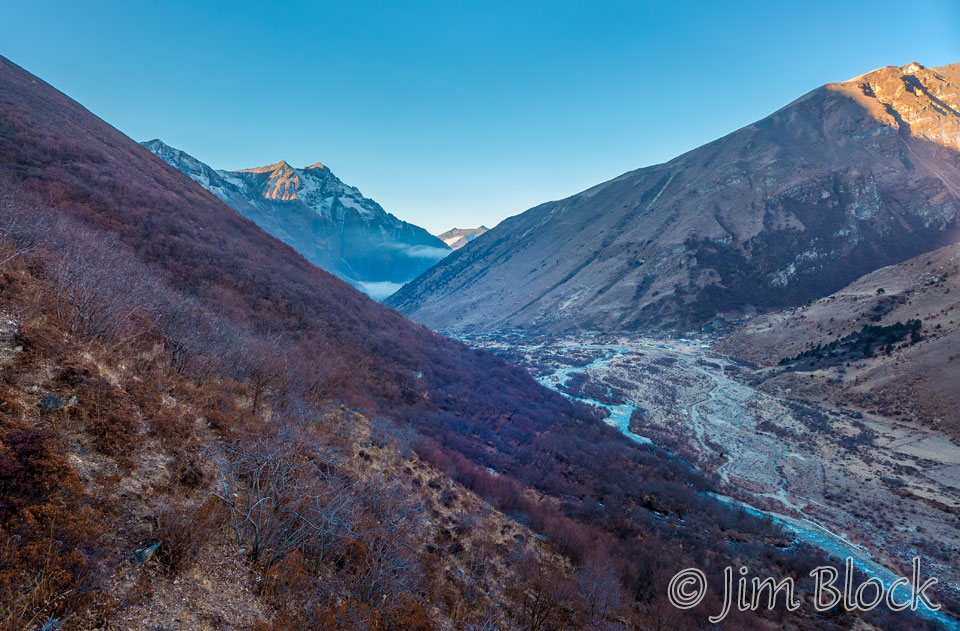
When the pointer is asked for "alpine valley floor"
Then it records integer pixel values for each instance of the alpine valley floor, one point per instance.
(848, 481)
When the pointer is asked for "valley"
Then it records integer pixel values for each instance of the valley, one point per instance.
(845, 480)
(256, 400)
(162, 348)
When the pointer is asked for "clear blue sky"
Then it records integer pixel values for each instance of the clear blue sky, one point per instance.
(455, 113)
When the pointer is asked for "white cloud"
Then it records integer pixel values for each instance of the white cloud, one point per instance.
(378, 290)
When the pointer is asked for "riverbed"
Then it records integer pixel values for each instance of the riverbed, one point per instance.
(722, 421)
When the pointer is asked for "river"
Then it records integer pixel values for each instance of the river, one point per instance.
(726, 398)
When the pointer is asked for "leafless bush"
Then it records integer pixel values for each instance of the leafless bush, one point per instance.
(264, 367)
(97, 282)
(545, 596)
(100, 287)
(494, 621)
(383, 565)
(183, 531)
(281, 500)
(198, 341)
(21, 227)
(600, 590)
(384, 431)
(91, 303)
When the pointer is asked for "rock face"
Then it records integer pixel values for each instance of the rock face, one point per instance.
(325, 220)
(459, 237)
(849, 178)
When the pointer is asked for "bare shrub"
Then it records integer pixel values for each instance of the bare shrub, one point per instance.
(381, 567)
(281, 500)
(183, 531)
(545, 596)
(97, 289)
(20, 228)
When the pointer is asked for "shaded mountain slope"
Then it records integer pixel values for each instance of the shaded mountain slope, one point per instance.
(330, 223)
(56, 153)
(818, 349)
(850, 177)
(115, 466)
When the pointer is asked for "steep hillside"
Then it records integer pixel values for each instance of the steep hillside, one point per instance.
(331, 224)
(848, 347)
(115, 469)
(212, 366)
(849, 178)
(57, 157)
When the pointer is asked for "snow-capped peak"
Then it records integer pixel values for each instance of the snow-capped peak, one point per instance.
(326, 220)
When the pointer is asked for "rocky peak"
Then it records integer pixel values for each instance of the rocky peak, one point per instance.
(283, 165)
(164, 150)
(331, 223)
(283, 181)
(157, 144)
(912, 68)
(916, 100)
(456, 238)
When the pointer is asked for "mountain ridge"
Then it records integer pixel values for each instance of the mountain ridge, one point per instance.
(331, 223)
(789, 208)
(456, 238)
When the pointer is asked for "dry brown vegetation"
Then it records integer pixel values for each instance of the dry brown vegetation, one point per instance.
(329, 522)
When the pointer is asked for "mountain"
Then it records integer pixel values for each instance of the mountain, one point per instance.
(817, 350)
(325, 220)
(851, 177)
(199, 428)
(459, 237)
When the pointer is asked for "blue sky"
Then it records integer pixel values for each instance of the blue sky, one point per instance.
(456, 113)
